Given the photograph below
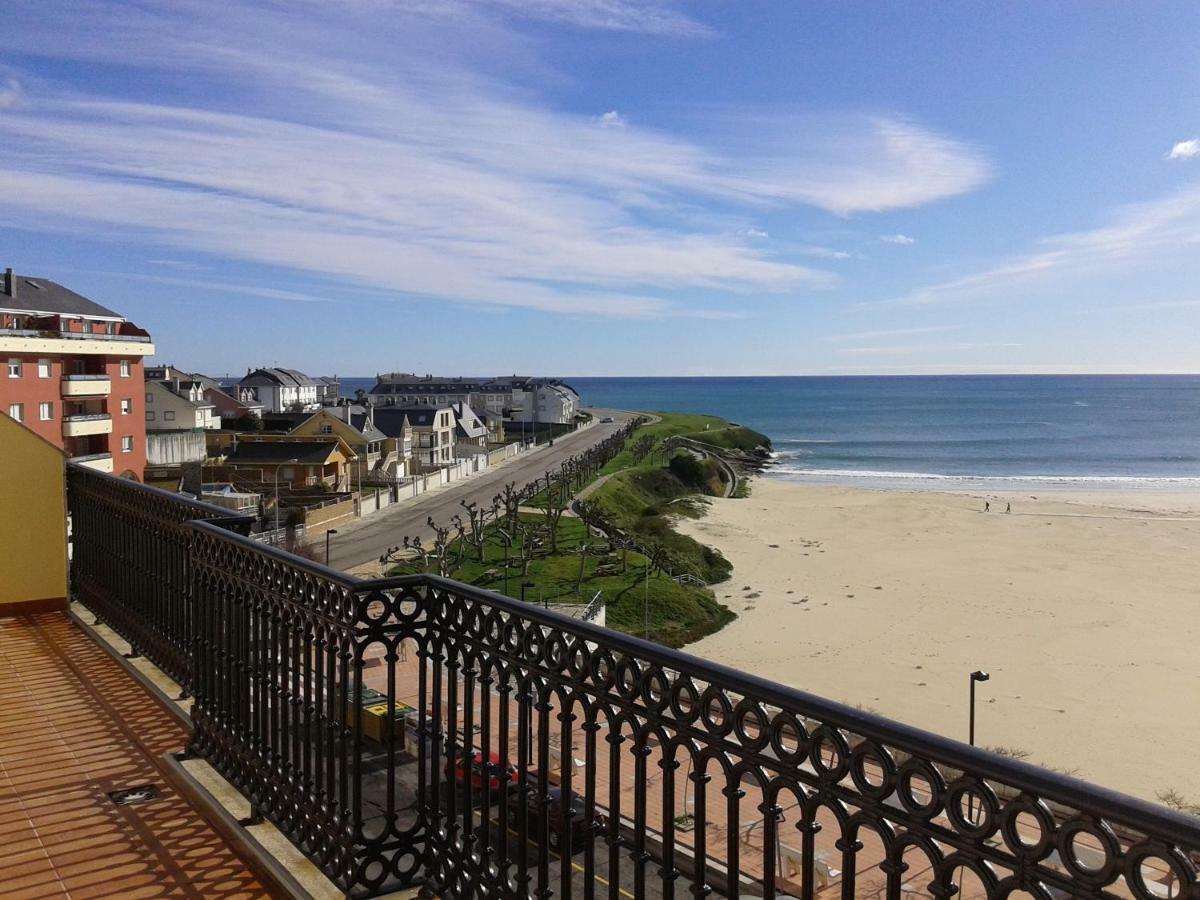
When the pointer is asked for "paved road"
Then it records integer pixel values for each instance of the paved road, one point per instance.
(366, 539)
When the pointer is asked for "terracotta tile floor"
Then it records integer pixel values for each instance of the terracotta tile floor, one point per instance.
(73, 727)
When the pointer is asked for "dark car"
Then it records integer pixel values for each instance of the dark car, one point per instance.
(582, 829)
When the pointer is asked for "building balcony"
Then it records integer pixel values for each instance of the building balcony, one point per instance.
(85, 425)
(101, 462)
(86, 386)
(416, 730)
(21, 340)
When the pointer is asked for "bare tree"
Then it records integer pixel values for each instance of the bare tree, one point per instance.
(441, 547)
(477, 517)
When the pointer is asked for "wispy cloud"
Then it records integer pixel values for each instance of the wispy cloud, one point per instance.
(902, 239)
(1138, 235)
(1185, 150)
(364, 157)
(962, 346)
(643, 16)
(889, 333)
(822, 252)
(10, 92)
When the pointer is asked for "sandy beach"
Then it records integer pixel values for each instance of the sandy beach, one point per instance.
(1085, 609)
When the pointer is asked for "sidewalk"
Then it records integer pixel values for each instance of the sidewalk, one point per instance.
(74, 728)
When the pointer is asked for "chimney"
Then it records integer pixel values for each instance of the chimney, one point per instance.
(10, 283)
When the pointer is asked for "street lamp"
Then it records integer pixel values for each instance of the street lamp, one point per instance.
(975, 676)
(329, 532)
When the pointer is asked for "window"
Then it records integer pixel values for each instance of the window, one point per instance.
(126, 407)
(45, 411)
(43, 368)
(326, 428)
(149, 415)
(149, 398)
(17, 411)
(14, 368)
(127, 444)
(124, 368)
(169, 415)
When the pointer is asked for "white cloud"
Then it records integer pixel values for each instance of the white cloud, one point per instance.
(902, 239)
(365, 157)
(888, 332)
(10, 92)
(961, 347)
(612, 119)
(1139, 235)
(1185, 150)
(822, 252)
(643, 16)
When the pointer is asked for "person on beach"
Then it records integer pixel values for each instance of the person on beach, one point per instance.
(987, 506)
(1008, 507)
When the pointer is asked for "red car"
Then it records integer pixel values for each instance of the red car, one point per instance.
(475, 763)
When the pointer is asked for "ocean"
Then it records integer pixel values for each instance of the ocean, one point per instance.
(946, 432)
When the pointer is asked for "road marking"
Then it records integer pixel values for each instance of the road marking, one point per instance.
(574, 865)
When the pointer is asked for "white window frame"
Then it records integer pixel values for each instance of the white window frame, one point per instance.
(126, 406)
(127, 444)
(125, 368)
(17, 411)
(46, 411)
(14, 368)
(45, 368)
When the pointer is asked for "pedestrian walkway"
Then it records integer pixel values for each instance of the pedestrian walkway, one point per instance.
(75, 729)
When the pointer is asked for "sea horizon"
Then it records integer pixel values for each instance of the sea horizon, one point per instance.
(943, 432)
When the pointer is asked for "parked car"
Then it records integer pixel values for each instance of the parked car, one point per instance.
(582, 830)
(461, 764)
(606, 420)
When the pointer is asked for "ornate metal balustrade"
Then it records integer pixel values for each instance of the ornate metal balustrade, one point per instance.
(129, 562)
(689, 778)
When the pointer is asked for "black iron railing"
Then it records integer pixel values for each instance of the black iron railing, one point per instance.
(129, 561)
(682, 776)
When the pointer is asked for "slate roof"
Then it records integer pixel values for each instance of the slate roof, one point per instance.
(41, 295)
(281, 452)
(390, 419)
(284, 377)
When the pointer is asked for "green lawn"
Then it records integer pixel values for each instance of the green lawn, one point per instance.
(643, 500)
(675, 613)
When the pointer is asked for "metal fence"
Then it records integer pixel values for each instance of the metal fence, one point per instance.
(129, 561)
(416, 729)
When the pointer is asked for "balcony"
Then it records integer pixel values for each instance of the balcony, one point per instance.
(100, 462)
(86, 386)
(412, 730)
(88, 424)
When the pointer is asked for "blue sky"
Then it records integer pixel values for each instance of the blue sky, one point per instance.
(624, 187)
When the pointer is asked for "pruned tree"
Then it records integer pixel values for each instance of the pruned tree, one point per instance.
(441, 547)
(477, 519)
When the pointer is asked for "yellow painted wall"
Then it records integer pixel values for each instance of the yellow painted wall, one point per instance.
(33, 520)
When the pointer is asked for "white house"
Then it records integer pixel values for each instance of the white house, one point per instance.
(178, 406)
(282, 390)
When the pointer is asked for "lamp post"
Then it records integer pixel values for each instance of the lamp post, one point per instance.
(978, 675)
(975, 676)
(329, 532)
